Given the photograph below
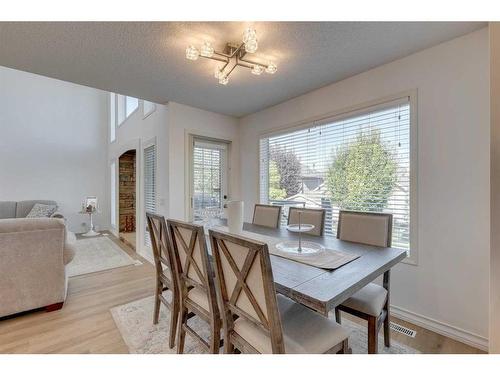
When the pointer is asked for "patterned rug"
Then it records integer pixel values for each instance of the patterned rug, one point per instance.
(98, 254)
(135, 322)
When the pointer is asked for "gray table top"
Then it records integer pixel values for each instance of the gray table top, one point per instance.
(321, 289)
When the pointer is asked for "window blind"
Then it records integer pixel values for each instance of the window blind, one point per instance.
(149, 185)
(360, 162)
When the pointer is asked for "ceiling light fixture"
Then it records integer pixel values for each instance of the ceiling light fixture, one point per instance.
(233, 55)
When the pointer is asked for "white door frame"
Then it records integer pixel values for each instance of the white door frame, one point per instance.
(190, 138)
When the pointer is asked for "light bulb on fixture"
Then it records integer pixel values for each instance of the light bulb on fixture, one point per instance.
(192, 53)
(271, 68)
(223, 80)
(249, 35)
(251, 46)
(218, 73)
(207, 50)
(257, 70)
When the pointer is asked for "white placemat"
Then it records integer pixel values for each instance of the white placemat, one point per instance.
(328, 259)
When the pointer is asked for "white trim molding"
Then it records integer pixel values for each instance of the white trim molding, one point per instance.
(441, 328)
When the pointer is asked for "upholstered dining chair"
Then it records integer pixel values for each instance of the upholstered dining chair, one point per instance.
(196, 283)
(267, 215)
(314, 216)
(165, 273)
(256, 319)
(371, 302)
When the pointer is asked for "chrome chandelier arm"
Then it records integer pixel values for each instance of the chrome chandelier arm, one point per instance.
(252, 63)
(216, 58)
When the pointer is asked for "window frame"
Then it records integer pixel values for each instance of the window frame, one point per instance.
(123, 99)
(412, 96)
(113, 193)
(112, 117)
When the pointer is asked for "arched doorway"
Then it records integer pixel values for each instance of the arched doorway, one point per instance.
(127, 171)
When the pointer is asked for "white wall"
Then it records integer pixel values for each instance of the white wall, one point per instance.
(137, 132)
(170, 126)
(185, 120)
(495, 188)
(448, 290)
(52, 143)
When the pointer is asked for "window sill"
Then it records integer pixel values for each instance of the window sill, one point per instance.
(412, 261)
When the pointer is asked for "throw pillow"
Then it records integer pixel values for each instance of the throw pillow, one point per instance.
(42, 210)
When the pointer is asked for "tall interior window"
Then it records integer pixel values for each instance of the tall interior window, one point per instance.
(126, 105)
(149, 185)
(131, 104)
(112, 117)
(147, 108)
(113, 194)
(357, 162)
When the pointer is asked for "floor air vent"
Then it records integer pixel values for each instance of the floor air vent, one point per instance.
(401, 329)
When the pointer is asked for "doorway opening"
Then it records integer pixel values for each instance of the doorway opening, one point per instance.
(127, 197)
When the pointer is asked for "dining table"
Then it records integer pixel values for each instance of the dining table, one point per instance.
(318, 288)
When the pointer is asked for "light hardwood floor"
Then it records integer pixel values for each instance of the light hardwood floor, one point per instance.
(85, 325)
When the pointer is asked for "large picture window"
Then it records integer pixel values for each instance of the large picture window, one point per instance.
(360, 161)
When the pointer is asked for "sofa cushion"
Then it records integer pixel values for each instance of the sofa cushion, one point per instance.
(69, 247)
(24, 207)
(41, 210)
(7, 210)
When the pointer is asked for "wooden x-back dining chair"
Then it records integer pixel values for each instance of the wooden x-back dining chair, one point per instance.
(371, 302)
(165, 273)
(314, 216)
(196, 283)
(256, 319)
(267, 215)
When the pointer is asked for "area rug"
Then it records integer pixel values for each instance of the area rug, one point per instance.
(98, 254)
(135, 322)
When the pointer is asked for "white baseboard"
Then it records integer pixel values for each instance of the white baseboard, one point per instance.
(444, 329)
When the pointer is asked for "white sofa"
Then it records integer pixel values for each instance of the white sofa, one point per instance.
(33, 258)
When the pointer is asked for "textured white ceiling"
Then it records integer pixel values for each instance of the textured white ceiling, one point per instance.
(147, 60)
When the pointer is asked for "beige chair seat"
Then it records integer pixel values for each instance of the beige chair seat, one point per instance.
(199, 297)
(369, 300)
(304, 331)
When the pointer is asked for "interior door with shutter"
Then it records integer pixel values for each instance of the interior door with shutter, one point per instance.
(149, 186)
(209, 175)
